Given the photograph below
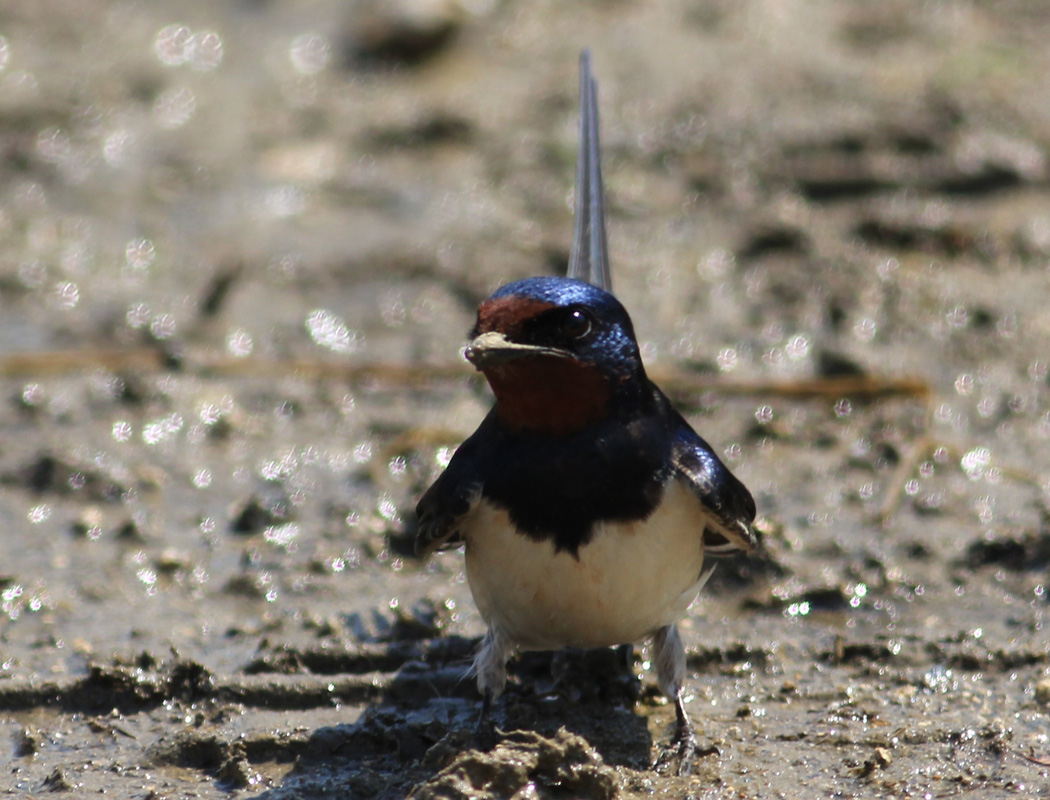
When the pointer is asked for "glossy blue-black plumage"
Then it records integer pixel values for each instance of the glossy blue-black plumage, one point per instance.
(612, 346)
(614, 470)
(562, 292)
(559, 488)
(579, 437)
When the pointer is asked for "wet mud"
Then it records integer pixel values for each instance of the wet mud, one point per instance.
(240, 247)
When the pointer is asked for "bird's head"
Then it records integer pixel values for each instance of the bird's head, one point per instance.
(560, 354)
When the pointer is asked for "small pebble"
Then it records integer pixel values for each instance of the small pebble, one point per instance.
(883, 757)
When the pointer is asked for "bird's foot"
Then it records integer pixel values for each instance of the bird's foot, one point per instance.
(486, 735)
(679, 754)
(683, 749)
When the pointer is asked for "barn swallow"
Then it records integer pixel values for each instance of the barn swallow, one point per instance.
(585, 502)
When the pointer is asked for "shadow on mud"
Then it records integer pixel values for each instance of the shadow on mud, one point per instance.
(565, 719)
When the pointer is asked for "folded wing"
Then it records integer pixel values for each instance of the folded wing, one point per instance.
(448, 503)
(730, 505)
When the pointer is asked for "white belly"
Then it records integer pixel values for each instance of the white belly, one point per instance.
(629, 580)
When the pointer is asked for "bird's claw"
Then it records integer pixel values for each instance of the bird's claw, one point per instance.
(683, 748)
(680, 753)
(486, 736)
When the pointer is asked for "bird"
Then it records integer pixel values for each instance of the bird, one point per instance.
(584, 501)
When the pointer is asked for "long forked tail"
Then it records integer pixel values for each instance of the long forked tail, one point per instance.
(590, 250)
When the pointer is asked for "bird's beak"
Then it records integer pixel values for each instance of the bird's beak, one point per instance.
(493, 348)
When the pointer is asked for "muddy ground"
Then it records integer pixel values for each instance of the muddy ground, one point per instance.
(240, 246)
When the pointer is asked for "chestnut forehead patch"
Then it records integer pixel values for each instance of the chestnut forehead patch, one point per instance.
(507, 314)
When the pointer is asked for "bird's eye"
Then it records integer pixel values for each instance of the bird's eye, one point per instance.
(576, 324)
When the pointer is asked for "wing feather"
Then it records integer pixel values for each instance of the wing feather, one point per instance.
(730, 505)
(449, 502)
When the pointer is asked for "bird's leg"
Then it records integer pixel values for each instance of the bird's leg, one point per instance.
(490, 664)
(626, 652)
(670, 672)
(684, 738)
(485, 732)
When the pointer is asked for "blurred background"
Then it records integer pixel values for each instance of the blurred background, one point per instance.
(241, 244)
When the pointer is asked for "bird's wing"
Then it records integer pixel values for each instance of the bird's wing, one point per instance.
(589, 260)
(449, 502)
(729, 504)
